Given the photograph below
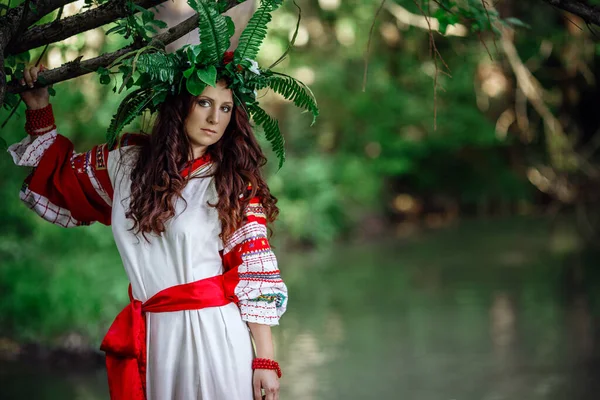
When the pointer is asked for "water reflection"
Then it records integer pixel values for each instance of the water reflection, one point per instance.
(501, 311)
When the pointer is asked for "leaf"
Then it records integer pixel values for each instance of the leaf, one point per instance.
(159, 65)
(189, 71)
(159, 98)
(3, 144)
(208, 75)
(117, 28)
(10, 60)
(213, 30)
(194, 85)
(51, 91)
(256, 31)
(158, 23)
(131, 106)
(24, 57)
(517, 22)
(230, 26)
(271, 129)
(443, 26)
(139, 8)
(11, 100)
(294, 90)
(196, 50)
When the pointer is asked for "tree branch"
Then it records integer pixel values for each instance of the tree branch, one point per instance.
(14, 16)
(589, 13)
(77, 67)
(56, 31)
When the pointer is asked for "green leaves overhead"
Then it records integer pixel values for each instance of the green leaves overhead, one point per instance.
(271, 129)
(159, 66)
(214, 31)
(194, 84)
(256, 31)
(208, 75)
(157, 74)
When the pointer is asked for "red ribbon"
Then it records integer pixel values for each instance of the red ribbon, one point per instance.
(125, 341)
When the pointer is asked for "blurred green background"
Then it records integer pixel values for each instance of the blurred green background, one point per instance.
(437, 244)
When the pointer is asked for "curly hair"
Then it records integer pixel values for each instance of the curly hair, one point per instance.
(156, 180)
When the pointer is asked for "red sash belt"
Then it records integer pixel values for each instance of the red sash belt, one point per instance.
(125, 341)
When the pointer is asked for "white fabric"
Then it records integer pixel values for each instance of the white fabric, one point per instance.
(195, 354)
(28, 152)
(48, 210)
(259, 276)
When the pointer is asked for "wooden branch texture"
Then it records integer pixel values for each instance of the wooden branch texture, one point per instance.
(13, 19)
(41, 35)
(581, 8)
(77, 67)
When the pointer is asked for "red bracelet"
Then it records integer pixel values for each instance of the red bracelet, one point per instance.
(42, 118)
(265, 363)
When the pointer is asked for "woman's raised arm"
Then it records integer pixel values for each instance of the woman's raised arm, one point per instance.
(66, 188)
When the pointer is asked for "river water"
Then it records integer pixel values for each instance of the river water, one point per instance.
(485, 310)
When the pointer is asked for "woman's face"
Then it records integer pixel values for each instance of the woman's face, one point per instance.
(209, 117)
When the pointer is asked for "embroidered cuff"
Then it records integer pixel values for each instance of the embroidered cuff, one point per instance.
(39, 121)
(259, 312)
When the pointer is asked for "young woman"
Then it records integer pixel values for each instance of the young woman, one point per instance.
(188, 208)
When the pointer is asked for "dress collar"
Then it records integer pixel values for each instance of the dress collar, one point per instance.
(195, 164)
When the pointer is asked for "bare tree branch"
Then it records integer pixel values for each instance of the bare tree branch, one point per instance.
(10, 22)
(41, 35)
(581, 8)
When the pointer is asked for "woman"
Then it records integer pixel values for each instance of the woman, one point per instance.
(188, 208)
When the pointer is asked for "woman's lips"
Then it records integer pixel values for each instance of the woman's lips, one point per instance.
(209, 130)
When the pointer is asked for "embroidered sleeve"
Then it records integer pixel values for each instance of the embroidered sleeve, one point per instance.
(251, 270)
(66, 188)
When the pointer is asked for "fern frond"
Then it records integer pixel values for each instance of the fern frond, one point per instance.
(271, 129)
(294, 90)
(161, 66)
(256, 30)
(131, 106)
(214, 33)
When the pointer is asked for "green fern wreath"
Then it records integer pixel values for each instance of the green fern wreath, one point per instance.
(155, 73)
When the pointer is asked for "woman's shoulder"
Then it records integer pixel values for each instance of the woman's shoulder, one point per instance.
(130, 139)
(124, 153)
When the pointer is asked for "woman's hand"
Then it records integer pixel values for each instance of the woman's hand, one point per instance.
(266, 379)
(35, 98)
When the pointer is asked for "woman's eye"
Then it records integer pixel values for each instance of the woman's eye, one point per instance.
(204, 103)
(226, 109)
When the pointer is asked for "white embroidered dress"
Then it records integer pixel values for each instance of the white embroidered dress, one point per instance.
(193, 354)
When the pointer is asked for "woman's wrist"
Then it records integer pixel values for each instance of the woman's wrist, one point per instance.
(266, 363)
(37, 106)
(40, 120)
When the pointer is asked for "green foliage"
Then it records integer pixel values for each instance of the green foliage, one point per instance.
(214, 31)
(194, 84)
(132, 106)
(158, 66)
(137, 25)
(14, 65)
(271, 130)
(296, 91)
(255, 32)
(198, 66)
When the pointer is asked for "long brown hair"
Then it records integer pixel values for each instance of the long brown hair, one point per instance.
(156, 180)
